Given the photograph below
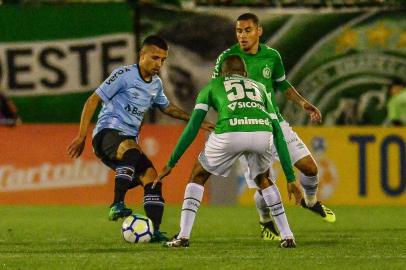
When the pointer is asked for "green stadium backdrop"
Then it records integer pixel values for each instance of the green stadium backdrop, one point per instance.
(53, 56)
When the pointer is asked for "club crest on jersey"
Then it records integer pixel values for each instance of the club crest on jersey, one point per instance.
(266, 72)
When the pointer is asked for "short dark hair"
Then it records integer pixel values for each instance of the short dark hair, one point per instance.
(249, 16)
(233, 64)
(156, 41)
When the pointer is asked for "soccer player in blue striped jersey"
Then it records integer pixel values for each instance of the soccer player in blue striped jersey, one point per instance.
(126, 95)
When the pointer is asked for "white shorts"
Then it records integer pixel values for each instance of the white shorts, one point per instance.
(297, 150)
(296, 147)
(222, 150)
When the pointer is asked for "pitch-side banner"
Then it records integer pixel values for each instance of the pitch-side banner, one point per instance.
(357, 166)
(62, 66)
(53, 56)
(35, 167)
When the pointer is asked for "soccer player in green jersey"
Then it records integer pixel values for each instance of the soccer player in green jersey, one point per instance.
(264, 65)
(245, 126)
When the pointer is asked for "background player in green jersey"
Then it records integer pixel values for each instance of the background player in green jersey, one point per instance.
(264, 65)
(245, 126)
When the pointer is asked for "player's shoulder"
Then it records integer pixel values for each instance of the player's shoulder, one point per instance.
(124, 69)
(119, 74)
(232, 50)
(269, 50)
(215, 81)
(255, 82)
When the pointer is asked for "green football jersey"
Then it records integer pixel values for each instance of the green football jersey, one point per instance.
(243, 106)
(241, 103)
(265, 67)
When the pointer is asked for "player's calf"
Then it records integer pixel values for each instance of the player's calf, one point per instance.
(310, 185)
(154, 204)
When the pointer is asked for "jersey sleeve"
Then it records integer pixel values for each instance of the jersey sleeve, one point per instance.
(267, 101)
(279, 139)
(188, 136)
(217, 66)
(283, 152)
(203, 100)
(192, 127)
(160, 99)
(112, 85)
(278, 76)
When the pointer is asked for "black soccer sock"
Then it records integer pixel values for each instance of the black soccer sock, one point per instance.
(125, 173)
(154, 204)
(122, 183)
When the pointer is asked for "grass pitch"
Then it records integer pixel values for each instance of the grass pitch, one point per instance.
(223, 238)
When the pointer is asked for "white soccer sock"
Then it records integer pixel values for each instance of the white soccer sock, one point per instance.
(262, 208)
(191, 203)
(273, 199)
(309, 184)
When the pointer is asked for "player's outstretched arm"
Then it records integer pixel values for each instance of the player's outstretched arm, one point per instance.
(161, 175)
(76, 147)
(284, 157)
(314, 113)
(283, 152)
(187, 137)
(178, 113)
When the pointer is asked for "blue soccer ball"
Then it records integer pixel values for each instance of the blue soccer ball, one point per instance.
(137, 229)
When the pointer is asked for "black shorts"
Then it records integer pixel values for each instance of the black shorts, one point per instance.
(105, 145)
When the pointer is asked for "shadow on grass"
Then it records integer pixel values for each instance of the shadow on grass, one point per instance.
(319, 243)
(78, 251)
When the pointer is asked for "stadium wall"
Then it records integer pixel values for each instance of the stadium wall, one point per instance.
(357, 166)
(35, 167)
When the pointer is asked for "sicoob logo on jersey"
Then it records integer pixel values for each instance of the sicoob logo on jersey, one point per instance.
(266, 72)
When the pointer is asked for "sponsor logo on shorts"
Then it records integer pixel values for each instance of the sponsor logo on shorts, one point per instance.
(249, 121)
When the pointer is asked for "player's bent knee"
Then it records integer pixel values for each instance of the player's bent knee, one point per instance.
(199, 175)
(125, 146)
(307, 166)
(130, 156)
(262, 180)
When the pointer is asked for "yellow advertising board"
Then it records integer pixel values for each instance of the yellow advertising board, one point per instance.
(357, 166)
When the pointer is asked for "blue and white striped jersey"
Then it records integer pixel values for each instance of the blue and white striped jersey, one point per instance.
(126, 98)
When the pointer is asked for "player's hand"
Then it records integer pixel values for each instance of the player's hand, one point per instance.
(295, 190)
(164, 172)
(314, 113)
(208, 126)
(76, 147)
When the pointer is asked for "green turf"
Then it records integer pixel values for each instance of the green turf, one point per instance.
(223, 238)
